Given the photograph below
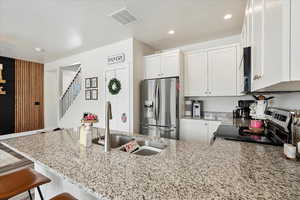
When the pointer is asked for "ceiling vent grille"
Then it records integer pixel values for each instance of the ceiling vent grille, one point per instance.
(123, 16)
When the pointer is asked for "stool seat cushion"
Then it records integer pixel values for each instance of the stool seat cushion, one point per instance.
(20, 181)
(64, 196)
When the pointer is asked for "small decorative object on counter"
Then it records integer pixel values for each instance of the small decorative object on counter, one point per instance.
(290, 151)
(256, 123)
(197, 108)
(89, 118)
(86, 128)
(188, 108)
(86, 135)
(131, 146)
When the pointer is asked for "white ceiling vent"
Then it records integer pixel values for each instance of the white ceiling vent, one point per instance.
(123, 16)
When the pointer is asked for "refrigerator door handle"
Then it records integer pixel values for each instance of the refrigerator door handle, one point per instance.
(158, 104)
(155, 102)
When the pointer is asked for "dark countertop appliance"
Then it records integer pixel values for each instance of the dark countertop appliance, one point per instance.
(243, 109)
(278, 129)
(246, 62)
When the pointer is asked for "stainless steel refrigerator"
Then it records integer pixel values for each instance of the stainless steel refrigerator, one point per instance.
(160, 108)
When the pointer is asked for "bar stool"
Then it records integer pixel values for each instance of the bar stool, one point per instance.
(23, 180)
(64, 196)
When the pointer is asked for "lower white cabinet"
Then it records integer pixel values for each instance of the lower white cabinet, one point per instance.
(197, 130)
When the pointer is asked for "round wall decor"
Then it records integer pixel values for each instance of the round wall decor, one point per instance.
(114, 86)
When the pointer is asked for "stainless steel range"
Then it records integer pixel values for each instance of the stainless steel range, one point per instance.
(281, 126)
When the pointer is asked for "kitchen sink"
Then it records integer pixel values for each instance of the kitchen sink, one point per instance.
(147, 151)
(156, 145)
(147, 148)
(115, 139)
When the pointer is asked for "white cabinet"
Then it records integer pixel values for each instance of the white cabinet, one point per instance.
(162, 65)
(212, 128)
(295, 40)
(270, 54)
(270, 34)
(193, 130)
(195, 74)
(197, 130)
(152, 65)
(222, 68)
(211, 72)
(246, 34)
(170, 64)
(257, 43)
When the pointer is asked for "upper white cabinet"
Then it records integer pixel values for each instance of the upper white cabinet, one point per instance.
(152, 66)
(270, 51)
(211, 72)
(295, 40)
(247, 26)
(222, 68)
(170, 64)
(162, 65)
(273, 35)
(195, 74)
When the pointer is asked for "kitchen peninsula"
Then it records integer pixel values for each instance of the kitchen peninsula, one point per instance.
(183, 170)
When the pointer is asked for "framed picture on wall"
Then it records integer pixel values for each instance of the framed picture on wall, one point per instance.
(87, 83)
(94, 94)
(88, 95)
(94, 82)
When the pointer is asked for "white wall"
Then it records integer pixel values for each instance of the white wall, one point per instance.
(139, 51)
(93, 63)
(50, 98)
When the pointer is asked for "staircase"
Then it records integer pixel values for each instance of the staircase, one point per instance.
(71, 93)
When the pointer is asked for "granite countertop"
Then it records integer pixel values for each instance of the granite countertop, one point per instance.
(226, 170)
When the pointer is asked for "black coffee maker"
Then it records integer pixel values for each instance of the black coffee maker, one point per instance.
(243, 110)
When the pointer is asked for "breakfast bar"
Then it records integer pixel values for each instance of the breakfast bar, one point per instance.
(183, 170)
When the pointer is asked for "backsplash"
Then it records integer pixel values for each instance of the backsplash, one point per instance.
(227, 104)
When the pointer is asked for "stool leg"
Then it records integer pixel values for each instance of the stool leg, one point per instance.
(40, 193)
(30, 195)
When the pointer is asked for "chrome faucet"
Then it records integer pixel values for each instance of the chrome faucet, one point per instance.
(107, 144)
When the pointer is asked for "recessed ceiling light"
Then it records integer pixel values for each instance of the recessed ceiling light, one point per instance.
(171, 32)
(38, 49)
(228, 16)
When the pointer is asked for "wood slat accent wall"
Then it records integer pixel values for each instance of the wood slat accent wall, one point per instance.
(29, 91)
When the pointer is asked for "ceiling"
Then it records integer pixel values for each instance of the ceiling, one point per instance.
(66, 27)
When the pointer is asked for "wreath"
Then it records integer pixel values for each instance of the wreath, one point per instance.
(114, 86)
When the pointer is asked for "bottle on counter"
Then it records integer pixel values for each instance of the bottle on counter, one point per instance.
(86, 135)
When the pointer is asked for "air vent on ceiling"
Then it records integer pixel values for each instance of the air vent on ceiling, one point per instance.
(123, 16)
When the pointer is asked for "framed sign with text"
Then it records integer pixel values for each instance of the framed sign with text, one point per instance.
(119, 58)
